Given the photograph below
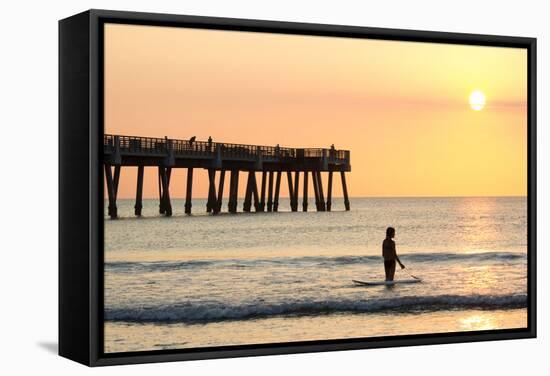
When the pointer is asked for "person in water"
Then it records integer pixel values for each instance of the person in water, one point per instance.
(390, 255)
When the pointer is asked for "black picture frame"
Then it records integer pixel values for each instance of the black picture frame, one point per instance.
(81, 186)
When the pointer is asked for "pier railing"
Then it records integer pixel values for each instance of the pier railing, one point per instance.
(186, 148)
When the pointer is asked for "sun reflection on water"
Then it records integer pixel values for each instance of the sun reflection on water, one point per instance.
(479, 223)
(477, 322)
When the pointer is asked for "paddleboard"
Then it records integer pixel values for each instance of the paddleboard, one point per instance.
(385, 283)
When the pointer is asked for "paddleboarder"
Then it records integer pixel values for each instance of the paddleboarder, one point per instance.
(390, 255)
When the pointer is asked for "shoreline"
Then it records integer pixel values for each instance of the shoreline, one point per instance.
(124, 336)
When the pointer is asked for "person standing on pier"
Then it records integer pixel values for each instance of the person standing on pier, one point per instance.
(390, 255)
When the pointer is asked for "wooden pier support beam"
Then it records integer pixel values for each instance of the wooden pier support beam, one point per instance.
(116, 179)
(189, 191)
(168, 176)
(345, 190)
(320, 187)
(165, 173)
(255, 191)
(315, 189)
(290, 188)
(277, 190)
(233, 191)
(296, 191)
(139, 192)
(220, 192)
(329, 191)
(212, 201)
(248, 193)
(262, 192)
(112, 189)
(270, 192)
(161, 202)
(304, 200)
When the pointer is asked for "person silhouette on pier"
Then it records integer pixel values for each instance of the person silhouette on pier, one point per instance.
(390, 255)
(192, 140)
(210, 143)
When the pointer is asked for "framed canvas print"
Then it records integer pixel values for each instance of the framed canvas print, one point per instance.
(235, 187)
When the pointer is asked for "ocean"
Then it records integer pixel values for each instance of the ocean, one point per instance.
(252, 278)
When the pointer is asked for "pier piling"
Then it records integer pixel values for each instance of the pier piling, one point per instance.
(233, 191)
(220, 191)
(315, 189)
(296, 191)
(304, 198)
(345, 190)
(112, 188)
(255, 192)
(320, 187)
(139, 192)
(189, 191)
(270, 192)
(247, 204)
(277, 190)
(290, 189)
(262, 192)
(161, 202)
(329, 191)
(165, 204)
(212, 200)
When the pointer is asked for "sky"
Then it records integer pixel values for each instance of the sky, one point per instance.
(401, 107)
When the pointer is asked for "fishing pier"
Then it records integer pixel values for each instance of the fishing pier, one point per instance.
(271, 162)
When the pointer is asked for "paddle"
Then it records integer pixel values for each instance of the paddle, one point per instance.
(415, 277)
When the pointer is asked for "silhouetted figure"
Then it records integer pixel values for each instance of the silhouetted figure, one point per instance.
(191, 140)
(209, 142)
(390, 255)
(332, 151)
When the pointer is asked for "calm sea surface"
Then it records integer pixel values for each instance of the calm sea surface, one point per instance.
(203, 280)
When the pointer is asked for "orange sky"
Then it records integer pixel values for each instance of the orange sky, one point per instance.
(400, 107)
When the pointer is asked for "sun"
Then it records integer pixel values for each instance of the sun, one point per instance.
(477, 100)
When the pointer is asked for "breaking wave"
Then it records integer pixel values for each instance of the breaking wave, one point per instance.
(189, 312)
(312, 260)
